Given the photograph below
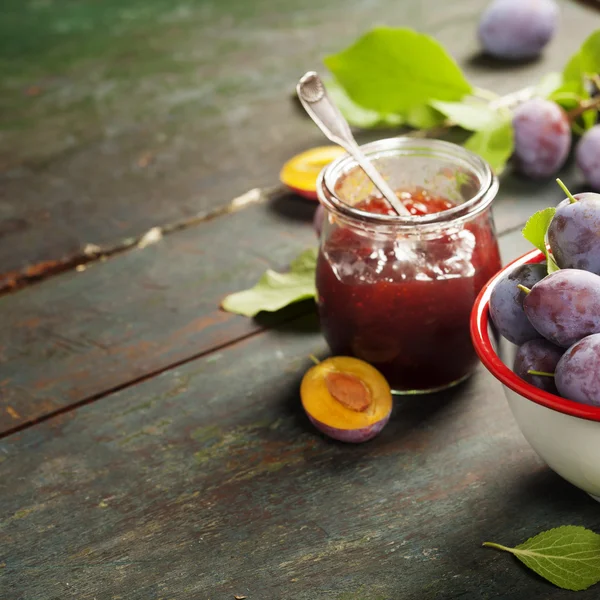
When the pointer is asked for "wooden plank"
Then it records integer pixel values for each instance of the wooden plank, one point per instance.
(82, 334)
(209, 481)
(79, 335)
(115, 120)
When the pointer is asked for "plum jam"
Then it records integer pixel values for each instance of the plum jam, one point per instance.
(396, 291)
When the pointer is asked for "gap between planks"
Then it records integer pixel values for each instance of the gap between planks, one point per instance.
(91, 253)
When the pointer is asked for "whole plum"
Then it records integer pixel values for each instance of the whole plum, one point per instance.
(542, 137)
(587, 156)
(565, 306)
(506, 303)
(577, 374)
(574, 233)
(538, 355)
(517, 29)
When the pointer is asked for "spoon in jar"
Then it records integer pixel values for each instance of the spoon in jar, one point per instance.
(321, 109)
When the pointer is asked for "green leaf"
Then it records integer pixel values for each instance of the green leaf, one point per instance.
(536, 227)
(548, 84)
(355, 114)
(424, 117)
(276, 290)
(495, 144)
(586, 61)
(473, 117)
(392, 70)
(568, 556)
(535, 232)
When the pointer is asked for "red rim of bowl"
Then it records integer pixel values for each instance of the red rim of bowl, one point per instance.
(487, 354)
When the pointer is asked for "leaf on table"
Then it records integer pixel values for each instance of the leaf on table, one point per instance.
(494, 144)
(473, 117)
(568, 556)
(357, 115)
(277, 290)
(393, 70)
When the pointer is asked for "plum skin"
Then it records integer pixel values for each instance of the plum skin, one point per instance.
(565, 306)
(587, 156)
(542, 135)
(352, 436)
(578, 371)
(506, 303)
(538, 355)
(517, 29)
(574, 233)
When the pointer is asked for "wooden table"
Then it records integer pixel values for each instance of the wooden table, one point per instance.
(153, 446)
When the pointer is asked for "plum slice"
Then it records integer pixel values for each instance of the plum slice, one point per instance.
(346, 398)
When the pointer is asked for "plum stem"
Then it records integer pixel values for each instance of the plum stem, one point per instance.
(584, 105)
(565, 189)
(541, 373)
(524, 289)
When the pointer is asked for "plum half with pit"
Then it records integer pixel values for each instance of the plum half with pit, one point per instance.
(346, 399)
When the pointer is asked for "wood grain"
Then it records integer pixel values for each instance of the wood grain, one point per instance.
(116, 119)
(208, 482)
(83, 334)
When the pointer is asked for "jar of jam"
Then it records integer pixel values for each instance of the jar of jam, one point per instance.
(397, 291)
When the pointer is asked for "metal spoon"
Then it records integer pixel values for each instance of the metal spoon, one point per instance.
(329, 119)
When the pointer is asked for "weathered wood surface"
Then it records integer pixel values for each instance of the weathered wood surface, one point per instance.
(209, 481)
(81, 334)
(117, 117)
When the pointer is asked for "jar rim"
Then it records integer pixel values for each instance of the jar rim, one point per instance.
(409, 147)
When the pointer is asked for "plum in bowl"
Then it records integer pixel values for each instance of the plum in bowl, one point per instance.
(564, 433)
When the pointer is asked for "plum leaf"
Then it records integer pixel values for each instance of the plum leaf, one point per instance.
(357, 115)
(494, 144)
(276, 290)
(567, 556)
(393, 70)
(469, 116)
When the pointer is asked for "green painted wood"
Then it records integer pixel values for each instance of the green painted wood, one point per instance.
(117, 117)
(82, 334)
(208, 482)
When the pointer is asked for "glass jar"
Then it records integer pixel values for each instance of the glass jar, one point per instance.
(397, 291)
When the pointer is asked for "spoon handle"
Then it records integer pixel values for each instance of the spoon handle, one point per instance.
(329, 119)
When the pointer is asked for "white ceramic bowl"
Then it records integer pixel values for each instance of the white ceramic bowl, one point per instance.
(565, 434)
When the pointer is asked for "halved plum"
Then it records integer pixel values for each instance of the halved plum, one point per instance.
(300, 172)
(346, 398)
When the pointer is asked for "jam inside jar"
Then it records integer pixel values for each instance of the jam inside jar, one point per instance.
(397, 291)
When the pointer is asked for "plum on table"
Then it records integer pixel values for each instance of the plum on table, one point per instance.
(517, 29)
(587, 156)
(542, 136)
